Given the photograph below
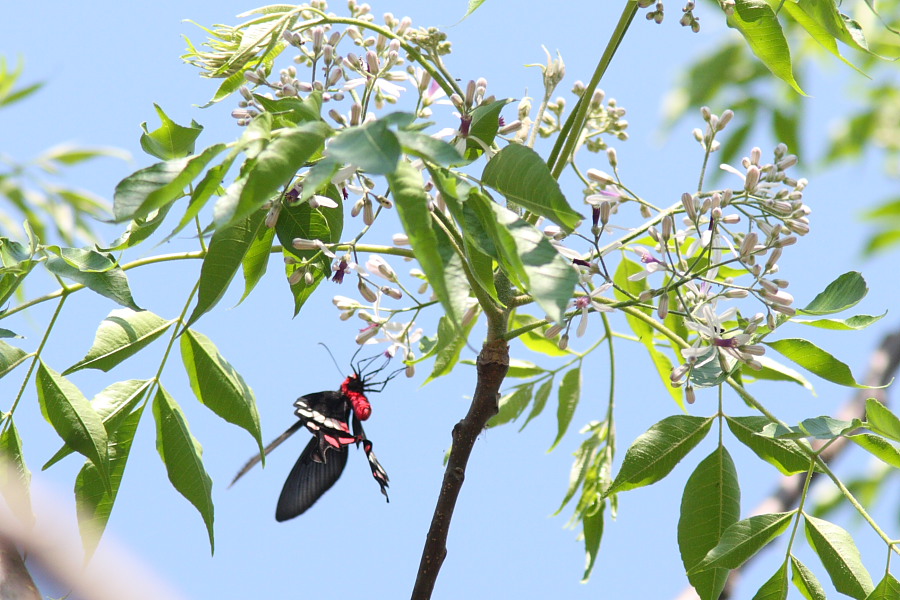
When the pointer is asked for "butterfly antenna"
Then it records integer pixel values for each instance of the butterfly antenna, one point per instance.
(336, 365)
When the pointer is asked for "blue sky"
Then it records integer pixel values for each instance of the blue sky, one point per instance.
(104, 65)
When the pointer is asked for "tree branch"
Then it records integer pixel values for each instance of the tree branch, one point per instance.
(883, 365)
(493, 363)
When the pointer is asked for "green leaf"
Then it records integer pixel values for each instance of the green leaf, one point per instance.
(113, 405)
(484, 127)
(218, 385)
(806, 581)
(432, 248)
(227, 250)
(424, 146)
(592, 527)
(450, 342)
(840, 557)
(844, 292)
(757, 22)
(882, 420)
(854, 323)
(303, 221)
(536, 263)
(522, 176)
(182, 455)
(270, 171)
(822, 428)
(804, 13)
(73, 418)
(121, 334)
(10, 357)
(86, 260)
(535, 339)
(782, 454)
(655, 452)
(256, 260)
(140, 229)
(521, 369)
(540, 401)
(743, 539)
(158, 185)
(372, 147)
(887, 589)
(710, 504)
(817, 361)
(569, 395)
(775, 371)
(170, 140)
(511, 406)
(776, 588)
(878, 447)
(112, 283)
(94, 502)
(580, 466)
(288, 112)
(15, 477)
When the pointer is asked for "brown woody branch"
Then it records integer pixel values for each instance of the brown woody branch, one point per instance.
(493, 363)
(883, 365)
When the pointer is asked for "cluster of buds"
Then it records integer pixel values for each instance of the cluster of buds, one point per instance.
(655, 15)
(688, 19)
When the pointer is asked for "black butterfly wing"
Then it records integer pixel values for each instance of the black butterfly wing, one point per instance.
(310, 478)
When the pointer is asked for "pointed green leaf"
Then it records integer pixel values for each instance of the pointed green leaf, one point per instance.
(887, 589)
(203, 191)
(153, 187)
(426, 147)
(372, 147)
(806, 581)
(822, 428)
(113, 405)
(511, 406)
(782, 454)
(579, 469)
(522, 369)
(743, 539)
(807, 20)
(592, 528)
(757, 22)
(227, 250)
(94, 502)
(548, 276)
(540, 401)
(710, 504)
(879, 447)
(218, 385)
(844, 292)
(170, 140)
(140, 229)
(817, 361)
(182, 455)
(840, 557)
(73, 418)
(882, 420)
(432, 247)
(655, 452)
(15, 477)
(10, 357)
(484, 127)
(450, 342)
(535, 339)
(522, 176)
(854, 323)
(112, 284)
(271, 170)
(256, 260)
(302, 221)
(120, 335)
(775, 371)
(776, 588)
(569, 395)
(288, 112)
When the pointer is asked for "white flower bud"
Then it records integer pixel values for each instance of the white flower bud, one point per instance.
(553, 331)
(365, 291)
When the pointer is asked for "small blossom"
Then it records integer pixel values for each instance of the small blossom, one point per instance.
(376, 265)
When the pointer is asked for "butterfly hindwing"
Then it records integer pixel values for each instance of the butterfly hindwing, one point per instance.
(310, 478)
